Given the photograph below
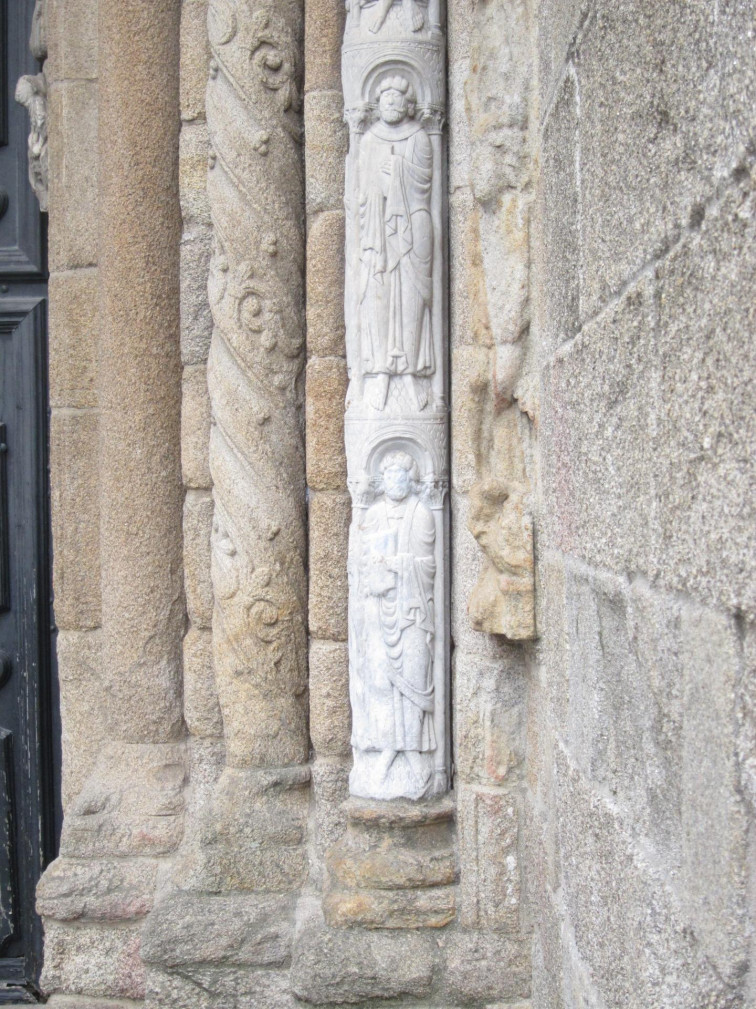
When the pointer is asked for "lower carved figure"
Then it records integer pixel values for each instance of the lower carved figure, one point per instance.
(392, 686)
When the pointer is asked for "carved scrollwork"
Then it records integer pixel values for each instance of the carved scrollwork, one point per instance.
(255, 380)
(255, 318)
(221, 22)
(274, 57)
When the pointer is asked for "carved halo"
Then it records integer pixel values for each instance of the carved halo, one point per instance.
(384, 445)
(397, 61)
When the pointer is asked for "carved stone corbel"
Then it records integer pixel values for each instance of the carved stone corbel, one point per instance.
(503, 600)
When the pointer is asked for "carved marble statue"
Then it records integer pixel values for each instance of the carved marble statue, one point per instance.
(392, 687)
(396, 244)
(396, 423)
(31, 92)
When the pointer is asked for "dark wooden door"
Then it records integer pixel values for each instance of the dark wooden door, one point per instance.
(29, 764)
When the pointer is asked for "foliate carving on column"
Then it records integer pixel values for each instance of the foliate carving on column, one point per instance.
(255, 377)
(393, 69)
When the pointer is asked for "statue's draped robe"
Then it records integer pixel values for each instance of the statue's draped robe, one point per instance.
(395, 706)
(396, 250)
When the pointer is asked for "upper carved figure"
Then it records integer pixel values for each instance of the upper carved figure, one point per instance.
(412, 13)
(396, 247)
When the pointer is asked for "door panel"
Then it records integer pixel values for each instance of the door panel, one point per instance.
(28, 817)
(29, 729)
(8, 866)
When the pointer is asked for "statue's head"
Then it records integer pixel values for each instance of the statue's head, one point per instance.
(399, 475)
(396, 99)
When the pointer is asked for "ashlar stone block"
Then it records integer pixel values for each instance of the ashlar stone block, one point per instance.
(195, 58)
(198, 520)
(195, 428)
(489, 716)
(714, 817)
(597, 423)
(653, 133)
(132, 803)
(72, 116)
(324, 398)
(189, 928)
(398, 909)
(330, 513)
(480, 967)
(93, 960)
(98, 890)
(557, 221)
(74, 442)
(73, 338)
(325, 285)
(703, 462)
(72, 40)
(218, 987)
(325, 150)
(79, 655)
(337, 965)
(330, 714)
(488, 823)
(201, 709)
(324, 24)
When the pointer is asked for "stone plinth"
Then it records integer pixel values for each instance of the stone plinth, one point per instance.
(395, 867)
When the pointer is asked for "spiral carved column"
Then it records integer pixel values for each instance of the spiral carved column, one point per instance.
(255, 377)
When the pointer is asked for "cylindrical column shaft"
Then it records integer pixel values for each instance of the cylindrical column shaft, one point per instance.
(139, 368)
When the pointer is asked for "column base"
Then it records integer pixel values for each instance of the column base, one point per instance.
(395, 867)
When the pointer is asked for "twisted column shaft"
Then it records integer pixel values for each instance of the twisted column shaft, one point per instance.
(255, 377)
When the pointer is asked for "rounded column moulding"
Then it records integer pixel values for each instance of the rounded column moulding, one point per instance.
(140, 368)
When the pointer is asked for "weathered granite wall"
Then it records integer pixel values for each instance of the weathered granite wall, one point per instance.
(641, 710)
